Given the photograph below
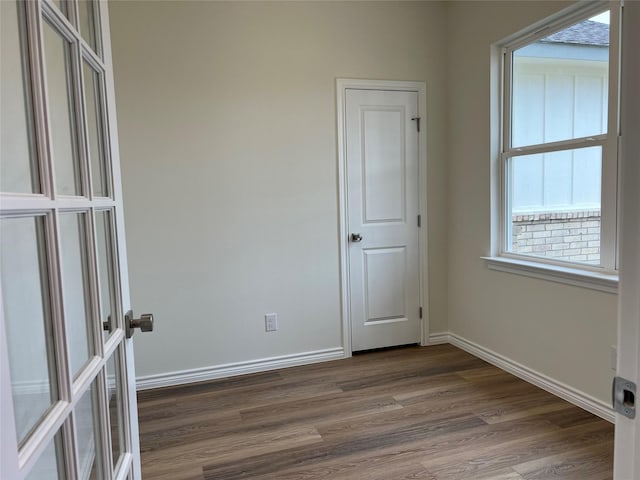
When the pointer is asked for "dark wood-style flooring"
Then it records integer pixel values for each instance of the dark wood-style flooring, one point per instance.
(431, 413)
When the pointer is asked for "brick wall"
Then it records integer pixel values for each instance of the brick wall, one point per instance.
(560, 235)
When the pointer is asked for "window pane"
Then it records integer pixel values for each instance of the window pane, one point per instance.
(62, 6)
(86, 420)
(28, 324)
(87, 22)
(50, 465)
(18, 167)
(74, 284)
(61, 112)
(105, 271)
(560, 85)
(115, 405)
(93, 111)
(555, 205)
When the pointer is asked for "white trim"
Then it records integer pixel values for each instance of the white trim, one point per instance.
(562, 145)
(627, 439)
(342, 84)
(562, 390)
(440, 338)
(556, 22)
(577, 277)
(240, 368)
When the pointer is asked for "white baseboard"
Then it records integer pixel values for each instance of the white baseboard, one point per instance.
(570, 394)
(240, 368)
(438, 338)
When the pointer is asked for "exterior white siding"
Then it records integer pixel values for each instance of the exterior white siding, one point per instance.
(553, 100)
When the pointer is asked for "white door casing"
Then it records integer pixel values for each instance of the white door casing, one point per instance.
(92, 412)
(627, 439)
(381, 156)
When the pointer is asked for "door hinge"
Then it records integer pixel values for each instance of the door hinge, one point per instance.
(624, 397)
(419, 220)
(417, 120)
(420, 312)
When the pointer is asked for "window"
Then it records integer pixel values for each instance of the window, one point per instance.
(559, 142)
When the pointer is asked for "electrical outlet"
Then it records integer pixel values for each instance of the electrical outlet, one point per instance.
(271, 322)
(614, 357)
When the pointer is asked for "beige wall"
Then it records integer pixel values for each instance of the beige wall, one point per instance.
(227, 125)
(228, 142)
(560, 331)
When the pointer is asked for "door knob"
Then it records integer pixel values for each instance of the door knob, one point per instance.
(356, 237)
(144, 323)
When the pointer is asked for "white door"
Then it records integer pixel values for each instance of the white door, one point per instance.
(67, 386)
(627, 443)
(382, 142)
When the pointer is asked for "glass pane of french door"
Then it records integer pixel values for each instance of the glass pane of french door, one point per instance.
(115, 406)
(51, 464)
(62, 108)
(87, 433)
(103, 223)
(93, 110)
(87, 22)
(28, 327)
(75, 282)
(61, 296)
(18, 172)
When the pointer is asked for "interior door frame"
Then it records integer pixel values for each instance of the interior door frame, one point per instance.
(342, 85)
(627, 436)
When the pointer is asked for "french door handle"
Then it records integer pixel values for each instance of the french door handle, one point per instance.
(356, 237)
(144, 323)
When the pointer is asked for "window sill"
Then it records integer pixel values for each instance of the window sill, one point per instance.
(602, 282)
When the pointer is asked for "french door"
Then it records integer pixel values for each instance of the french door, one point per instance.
(67, 387)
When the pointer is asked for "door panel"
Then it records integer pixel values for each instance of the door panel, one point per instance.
(67, 382)
(385, 272)
(383, 165)
(382, 196)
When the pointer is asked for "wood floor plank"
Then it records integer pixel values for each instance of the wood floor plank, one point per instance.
(520, 408)
(272, 463)
(431, 413)
(484, 460)
(589, 462)
(389, 468)
(234, 449)
(162, 394)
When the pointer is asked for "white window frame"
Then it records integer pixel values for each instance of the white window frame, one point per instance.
(605, 276)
